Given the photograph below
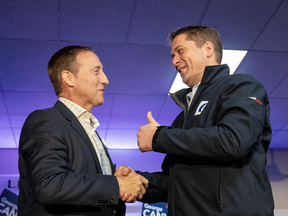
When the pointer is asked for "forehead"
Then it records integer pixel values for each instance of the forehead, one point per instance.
(88, 58)
(179, 41)
(179, 38)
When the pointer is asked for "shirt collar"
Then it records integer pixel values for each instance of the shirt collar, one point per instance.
(190, 95)
(79, 111)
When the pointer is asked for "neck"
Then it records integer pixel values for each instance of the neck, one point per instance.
(76, 101)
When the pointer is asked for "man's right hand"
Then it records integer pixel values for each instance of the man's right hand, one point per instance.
(132, 186)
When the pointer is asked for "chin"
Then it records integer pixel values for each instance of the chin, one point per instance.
(101, 102)
(185, 82)
(98, 102)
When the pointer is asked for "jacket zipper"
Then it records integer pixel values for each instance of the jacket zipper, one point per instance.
(220, 200)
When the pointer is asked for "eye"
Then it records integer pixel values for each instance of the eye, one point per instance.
(180, 51)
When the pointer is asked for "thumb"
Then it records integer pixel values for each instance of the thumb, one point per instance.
(150, 118)
(125, 171)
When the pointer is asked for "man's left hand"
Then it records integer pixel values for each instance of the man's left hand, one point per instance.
(146, 133)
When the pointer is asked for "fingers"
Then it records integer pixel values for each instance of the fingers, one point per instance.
(131, 199)
(145, 182)
(124, 170)
(143, 187)
(150, 118)
(128, 197)
(121, 194)
(119, 171)
(146, 133)
(140, 196)
(132, 187)
(143, 191)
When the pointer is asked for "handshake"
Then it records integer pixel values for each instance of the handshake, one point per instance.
(132, 186)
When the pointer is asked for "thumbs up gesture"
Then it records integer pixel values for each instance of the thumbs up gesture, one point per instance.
(150, 118)
(146, 133)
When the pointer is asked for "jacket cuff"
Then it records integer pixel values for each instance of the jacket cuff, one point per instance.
(154, 140)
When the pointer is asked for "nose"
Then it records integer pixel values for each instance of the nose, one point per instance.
(104, 79)
(175, 60)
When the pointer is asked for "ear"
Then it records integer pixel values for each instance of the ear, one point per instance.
(209, 47)
(68, 78)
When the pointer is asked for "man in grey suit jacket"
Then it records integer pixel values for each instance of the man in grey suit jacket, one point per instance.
(64, 167)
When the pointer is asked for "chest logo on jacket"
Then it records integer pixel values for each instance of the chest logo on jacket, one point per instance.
(201, 107)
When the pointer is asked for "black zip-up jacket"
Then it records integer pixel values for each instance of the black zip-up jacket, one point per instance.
(216, 151)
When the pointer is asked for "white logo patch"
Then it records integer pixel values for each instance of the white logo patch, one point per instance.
(201, 107)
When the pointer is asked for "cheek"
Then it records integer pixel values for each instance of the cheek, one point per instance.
(92, 82)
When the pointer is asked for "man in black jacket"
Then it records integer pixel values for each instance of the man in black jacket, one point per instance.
(216, 147)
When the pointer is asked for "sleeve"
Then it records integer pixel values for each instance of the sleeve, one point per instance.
(158, 184)
(43, 158)
(239, 120)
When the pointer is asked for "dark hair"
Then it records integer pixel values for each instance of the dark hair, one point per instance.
(64, 59)
(201, 34)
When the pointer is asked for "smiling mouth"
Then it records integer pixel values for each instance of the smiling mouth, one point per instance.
(181, 69)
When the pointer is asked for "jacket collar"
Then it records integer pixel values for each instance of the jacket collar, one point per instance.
(211, 74)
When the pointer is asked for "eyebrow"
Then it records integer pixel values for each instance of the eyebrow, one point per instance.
(97, 67)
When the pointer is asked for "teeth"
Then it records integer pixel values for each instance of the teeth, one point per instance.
(181, 69)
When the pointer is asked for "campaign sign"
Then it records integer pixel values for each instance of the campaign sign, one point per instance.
(8, 203)
(10, 182)
(154, 209)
